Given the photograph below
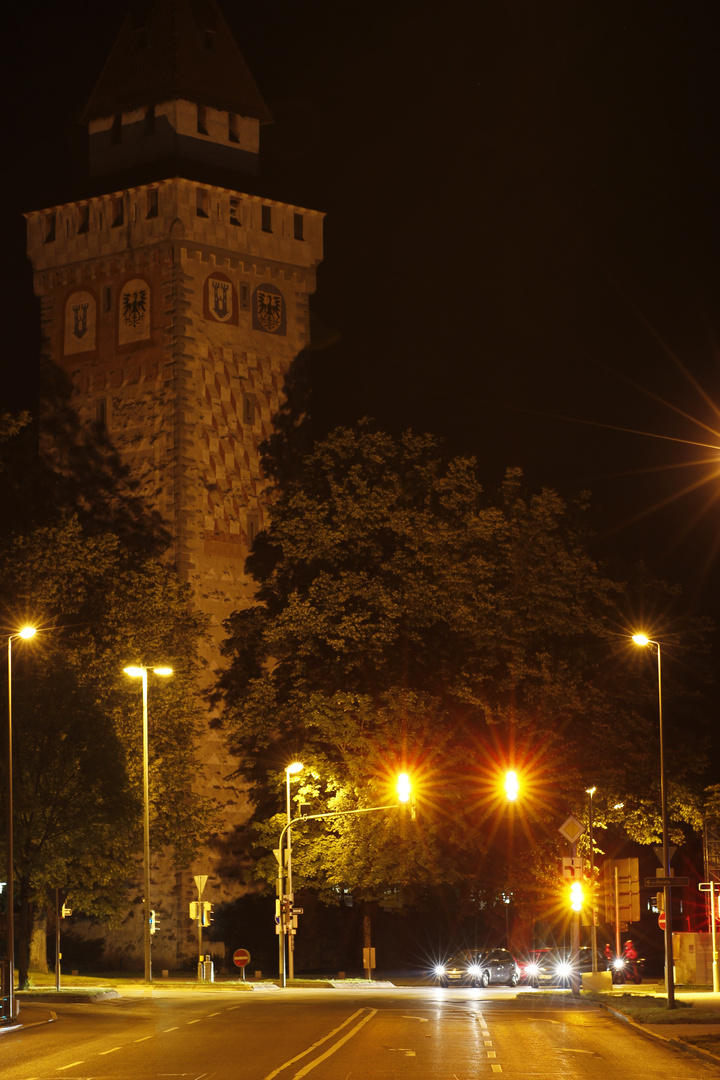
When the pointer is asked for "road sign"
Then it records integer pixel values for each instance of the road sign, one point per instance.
(659, 852)
(661, 920)
(200, 882)
(572, 829)
(654, 882)
(572, 868)
(628, 890)
(241, 957)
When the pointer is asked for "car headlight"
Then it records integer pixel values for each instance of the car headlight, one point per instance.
(440, 969)
(533, 969)
(564, 969)
(618, 962)
(474, 969)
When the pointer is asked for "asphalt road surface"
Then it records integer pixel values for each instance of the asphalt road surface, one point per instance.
(418, 1034)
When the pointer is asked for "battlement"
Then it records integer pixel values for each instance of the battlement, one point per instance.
(200, 215)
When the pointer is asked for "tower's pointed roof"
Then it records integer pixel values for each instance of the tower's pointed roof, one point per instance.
(169, 50)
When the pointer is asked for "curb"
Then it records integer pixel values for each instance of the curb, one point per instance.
(67, 997)
(677, 1044)
(25, 1027)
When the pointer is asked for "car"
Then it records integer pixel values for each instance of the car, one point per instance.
(457, 970)
(555, 966)
(496, 966)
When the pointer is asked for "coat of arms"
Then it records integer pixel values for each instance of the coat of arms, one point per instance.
(221, 299)
(269, 310)
(134, 306)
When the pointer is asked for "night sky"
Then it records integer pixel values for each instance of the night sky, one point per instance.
(521, 235)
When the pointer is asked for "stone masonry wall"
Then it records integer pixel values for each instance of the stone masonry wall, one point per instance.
(176, 310)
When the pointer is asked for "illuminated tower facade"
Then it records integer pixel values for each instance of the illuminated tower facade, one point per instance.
(175, 303)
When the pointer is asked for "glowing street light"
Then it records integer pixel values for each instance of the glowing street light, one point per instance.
(140, 672)
(25, 633)
(404, 788)
(644, 641)
(512, 786)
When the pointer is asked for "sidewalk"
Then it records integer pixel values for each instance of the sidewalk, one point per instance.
(694, 1025)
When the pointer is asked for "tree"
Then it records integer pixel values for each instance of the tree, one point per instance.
(77, 718)
(407, 617)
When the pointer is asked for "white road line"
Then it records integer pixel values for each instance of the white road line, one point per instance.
(496, 1068)
(102, 1053)
(144, 1038)
(194, 1021)
(328, 1053)
(70, 1066)
(213, 1014)
(170, 1029)
(488, 1042)
(491, 1054)
(315, 1045)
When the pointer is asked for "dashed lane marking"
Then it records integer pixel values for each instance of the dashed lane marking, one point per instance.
(165, 1030)
(496, 1068)
(70, 1066)
(144, 1038)
(195, 1021)
(102, 1053)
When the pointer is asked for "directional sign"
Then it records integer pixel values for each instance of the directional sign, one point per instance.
(241, 957)
(652, 882)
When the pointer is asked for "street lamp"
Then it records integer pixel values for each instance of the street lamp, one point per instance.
(25, 633)
(291, 770)
(644, 641)
(404, 793)
(140, 672)
(512, 786)
(593, 928)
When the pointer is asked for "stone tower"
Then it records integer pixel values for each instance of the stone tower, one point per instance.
(175, 302)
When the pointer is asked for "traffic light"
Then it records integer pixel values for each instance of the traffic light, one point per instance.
(512, 786)
(153, 922)
(286, 910)
(206, 912)
(576, 895)
(194, 909)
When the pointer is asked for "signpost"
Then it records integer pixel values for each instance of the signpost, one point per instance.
(241, 958)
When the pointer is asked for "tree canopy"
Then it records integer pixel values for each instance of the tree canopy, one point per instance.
(408, 618)
(77, 718)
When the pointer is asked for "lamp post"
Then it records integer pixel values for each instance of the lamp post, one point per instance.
(593, 928)
(291, 770)
(405, 796)
(642, 640)
(25, 633)
(140, 672)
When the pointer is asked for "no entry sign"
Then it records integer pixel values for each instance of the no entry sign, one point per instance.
(241, 957)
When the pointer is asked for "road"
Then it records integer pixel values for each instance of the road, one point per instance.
(400, 1034)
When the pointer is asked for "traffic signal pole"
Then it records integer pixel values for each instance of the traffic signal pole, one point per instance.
(575, 946)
